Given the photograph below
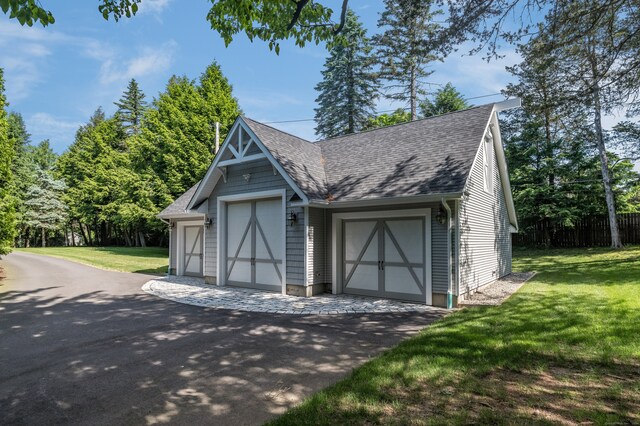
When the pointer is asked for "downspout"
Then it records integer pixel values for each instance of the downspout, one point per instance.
(168, 222)
(449, 280)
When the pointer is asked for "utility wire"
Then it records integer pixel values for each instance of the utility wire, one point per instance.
(378, 112)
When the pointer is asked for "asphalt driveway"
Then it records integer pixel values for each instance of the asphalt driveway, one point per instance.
(79, 345)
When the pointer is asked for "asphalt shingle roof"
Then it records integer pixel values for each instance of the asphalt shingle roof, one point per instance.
(301, 159)
(429, 156)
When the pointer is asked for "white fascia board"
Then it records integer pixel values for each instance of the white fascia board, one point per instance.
(276, 164)
(504, 172)
(512, 103)
(180, 216)
(386, 201)
(213, 166)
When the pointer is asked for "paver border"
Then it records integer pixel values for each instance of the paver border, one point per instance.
(194, 291)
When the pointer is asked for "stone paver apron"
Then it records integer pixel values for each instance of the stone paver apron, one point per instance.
(193, 291)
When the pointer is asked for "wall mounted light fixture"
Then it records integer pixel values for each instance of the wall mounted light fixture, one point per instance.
(293, 218)
(441, 216)
(208, 222)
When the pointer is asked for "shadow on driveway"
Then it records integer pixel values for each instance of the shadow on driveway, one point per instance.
(80, 348)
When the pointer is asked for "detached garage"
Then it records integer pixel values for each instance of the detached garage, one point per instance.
(420, 211)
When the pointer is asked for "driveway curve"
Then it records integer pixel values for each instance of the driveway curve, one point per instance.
(80, 345)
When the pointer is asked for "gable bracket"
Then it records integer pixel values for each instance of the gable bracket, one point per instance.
(223, 171)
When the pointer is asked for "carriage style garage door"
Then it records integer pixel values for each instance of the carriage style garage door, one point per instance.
(385, 257)
(192, 251)
(254, 244)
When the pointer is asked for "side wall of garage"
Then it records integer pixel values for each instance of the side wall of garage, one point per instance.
(262, 178)
(485, 237)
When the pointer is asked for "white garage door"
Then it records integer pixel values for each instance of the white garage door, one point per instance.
(192, 251)
(254, 244)
(385, 258)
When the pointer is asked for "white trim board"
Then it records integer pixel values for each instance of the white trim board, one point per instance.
(217, 162)
(221, 230)
(180, 236)
(336, 235)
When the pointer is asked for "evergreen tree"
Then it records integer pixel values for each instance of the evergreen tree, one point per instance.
(7, 155)
(45, 209)
(178, 136)
(447, 99)
(24, 172)
(349, 87)
(383, 120)
(131, 107)
(403, 48)
(43, 156)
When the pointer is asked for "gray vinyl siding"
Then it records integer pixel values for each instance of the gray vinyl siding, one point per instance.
(438, 242)
(262, 179)
(317, 248)
(485, 238)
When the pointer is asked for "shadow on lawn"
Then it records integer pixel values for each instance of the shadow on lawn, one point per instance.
(131, 359)
(537, 358)
(147, 252)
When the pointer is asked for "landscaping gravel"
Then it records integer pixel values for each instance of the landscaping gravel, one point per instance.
(499, 290)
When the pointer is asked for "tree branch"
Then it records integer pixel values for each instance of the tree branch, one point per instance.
(343, 17)
(300, 4)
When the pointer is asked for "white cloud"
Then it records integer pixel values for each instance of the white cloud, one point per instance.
(149, 61)
(58, 130)
(25, 68)
(153, 6)
(20, 76)
(473, 76)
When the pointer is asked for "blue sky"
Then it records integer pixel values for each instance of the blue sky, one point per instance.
(57, 76)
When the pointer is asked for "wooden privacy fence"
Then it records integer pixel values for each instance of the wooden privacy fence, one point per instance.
(592, 231)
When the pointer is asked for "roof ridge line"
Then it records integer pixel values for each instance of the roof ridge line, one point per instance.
(402, 124)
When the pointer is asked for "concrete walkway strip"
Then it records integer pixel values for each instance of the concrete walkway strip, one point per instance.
(193, 291)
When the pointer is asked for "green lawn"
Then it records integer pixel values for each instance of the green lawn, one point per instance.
(564, 349)
(149, 260)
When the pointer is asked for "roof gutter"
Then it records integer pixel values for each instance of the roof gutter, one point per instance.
(386, 201)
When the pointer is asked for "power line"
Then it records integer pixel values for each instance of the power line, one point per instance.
(378, 112)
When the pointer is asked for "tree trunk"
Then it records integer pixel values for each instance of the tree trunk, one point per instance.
(66, 236)
(143, 243)
(73, 235)
(413, 95)
(604, 164)
(127, 240)
(44, 240)
(84, 234)
(88, 231)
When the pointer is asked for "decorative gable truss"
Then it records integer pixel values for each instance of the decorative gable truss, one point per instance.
(240, 146)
